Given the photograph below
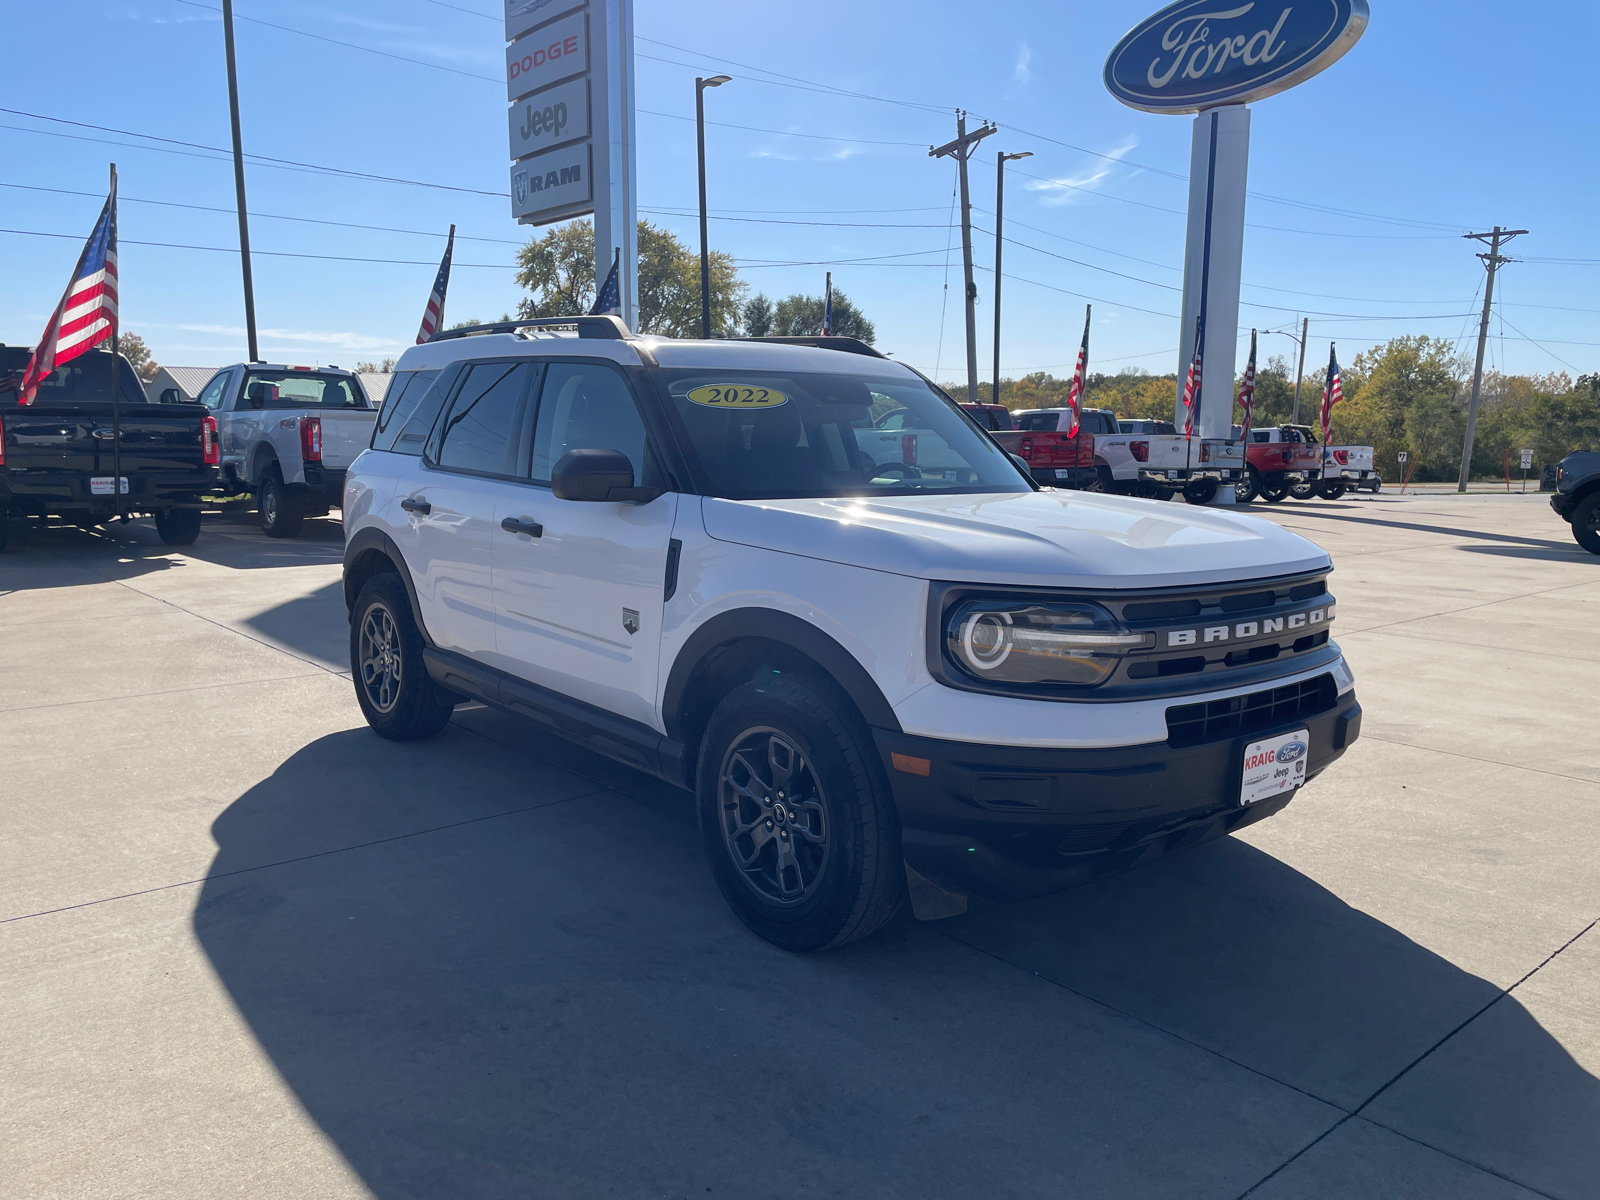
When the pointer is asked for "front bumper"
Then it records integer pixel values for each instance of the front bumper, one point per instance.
(1010, 823)
(1563, 503)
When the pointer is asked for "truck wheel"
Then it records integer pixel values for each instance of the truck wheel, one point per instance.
(1248, 487)
(281, 510)
(1201, 491)
(1586, 523)
(5, 523)
(1332, 491)
(800, 828)
(1303, 491)
(1375, 485)
(396, 694)
(1274, 493)
(178, 526)
(1104, 481)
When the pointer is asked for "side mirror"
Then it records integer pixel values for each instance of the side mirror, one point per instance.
(1022, 464)
(602, 476)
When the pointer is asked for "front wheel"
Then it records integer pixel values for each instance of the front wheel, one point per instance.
(281, 510)
(178, 526)
(1201, 491)
(1304, 490)
(799, 826)
(1586, 523)
(396, 694)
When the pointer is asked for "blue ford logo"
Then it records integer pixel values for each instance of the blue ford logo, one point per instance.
(1200, 53)
(1291, 751)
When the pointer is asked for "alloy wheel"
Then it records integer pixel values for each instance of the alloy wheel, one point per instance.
(379, 653)
(774, 821)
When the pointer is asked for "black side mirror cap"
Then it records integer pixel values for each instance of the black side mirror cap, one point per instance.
(1022, 464)
(597, 476)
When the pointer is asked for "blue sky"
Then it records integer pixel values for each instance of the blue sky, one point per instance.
(1444, 118)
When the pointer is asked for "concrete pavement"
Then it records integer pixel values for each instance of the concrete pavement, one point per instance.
(250, 949)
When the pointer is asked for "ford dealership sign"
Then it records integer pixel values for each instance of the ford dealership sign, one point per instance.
(1197, 54)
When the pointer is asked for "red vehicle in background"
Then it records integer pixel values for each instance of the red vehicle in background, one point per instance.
(1279, 458)
(1054, 457)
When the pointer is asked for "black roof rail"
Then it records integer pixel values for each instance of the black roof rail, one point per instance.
(604, 326)
(849, 345)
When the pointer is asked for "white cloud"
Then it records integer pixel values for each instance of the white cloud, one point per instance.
(297, 338)
(1020, 72)
(1070, 188)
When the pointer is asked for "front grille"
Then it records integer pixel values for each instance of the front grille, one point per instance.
(1190, 724)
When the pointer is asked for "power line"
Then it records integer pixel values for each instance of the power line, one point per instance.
(401, 262)
(819, 137)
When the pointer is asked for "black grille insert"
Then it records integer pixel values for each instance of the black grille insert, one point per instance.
(1305, 591)
(1190, 724)
(1160, 610)
(1249, 601)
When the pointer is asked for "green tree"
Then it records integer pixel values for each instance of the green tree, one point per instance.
(131, 346)
(800, 315)
(757, 316)
(1403, 395)
(376, 368)
(558, 268)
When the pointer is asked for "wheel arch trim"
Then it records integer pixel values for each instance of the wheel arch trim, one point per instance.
(370, 540)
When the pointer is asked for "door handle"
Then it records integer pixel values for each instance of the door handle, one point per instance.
(522, 525)
(413, 505)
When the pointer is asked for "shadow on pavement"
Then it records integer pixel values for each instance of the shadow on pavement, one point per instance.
(556, 1002)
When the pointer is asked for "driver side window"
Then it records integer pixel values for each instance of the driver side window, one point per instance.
(585, 406)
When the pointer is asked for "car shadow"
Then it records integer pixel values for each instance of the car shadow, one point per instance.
(533, 989)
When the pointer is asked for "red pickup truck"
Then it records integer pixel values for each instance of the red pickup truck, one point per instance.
(1057, 458)
(1279, 458)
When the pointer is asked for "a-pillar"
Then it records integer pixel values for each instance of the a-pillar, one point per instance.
(1219, 164)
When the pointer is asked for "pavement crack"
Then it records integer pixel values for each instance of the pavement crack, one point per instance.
(1494, 762)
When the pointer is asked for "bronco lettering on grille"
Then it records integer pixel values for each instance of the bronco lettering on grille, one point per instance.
(1245, 630)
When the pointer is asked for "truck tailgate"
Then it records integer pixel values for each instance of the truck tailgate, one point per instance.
(345, 434)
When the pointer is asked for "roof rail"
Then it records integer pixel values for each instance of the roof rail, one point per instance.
(849, 345)
(604, 326)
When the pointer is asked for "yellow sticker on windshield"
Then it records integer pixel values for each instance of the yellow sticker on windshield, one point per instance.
(716, 395)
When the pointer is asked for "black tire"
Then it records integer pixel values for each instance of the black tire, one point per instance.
(1303, 491)
(281, 510)
(1201, 491)
(1248, 487)
(1586, 523)
(1332, 491)
(178, 526)
(397, 697)
(1274, 493)
(5, 524)
(1104, 481)
(814, 873)
(1375, 486)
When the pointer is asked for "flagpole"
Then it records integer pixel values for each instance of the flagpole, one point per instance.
(116, 380)
(449, 254)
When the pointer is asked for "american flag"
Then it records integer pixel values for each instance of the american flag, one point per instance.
(1332, 393)
(1191, 385)
(433, 316)
(609, 298)
(1247, 389)
(1080, 372)
(827, 307)
(87, 314)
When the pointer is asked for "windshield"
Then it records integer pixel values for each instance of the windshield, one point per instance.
(760, 435)
(299, 389)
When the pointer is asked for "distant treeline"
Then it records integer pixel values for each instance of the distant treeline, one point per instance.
(1410, 394)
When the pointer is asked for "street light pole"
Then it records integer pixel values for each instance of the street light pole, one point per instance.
(238, 183)
(1299, 371)
(700, 86)
(1000, 160)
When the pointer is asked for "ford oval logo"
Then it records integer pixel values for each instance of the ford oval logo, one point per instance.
(1200, 53)
(1291, 751)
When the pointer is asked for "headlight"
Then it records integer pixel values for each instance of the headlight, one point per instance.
(1067, 642)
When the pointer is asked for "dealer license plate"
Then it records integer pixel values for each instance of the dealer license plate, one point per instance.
(1274, 766)
(100, 485)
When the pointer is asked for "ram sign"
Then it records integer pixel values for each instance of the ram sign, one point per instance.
(1198, 54)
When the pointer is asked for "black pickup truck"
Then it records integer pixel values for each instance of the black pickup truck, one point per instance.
(57, 455)
(1577, 498)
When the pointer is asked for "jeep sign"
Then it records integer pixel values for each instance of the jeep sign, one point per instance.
(549, 118)
(1198, 54)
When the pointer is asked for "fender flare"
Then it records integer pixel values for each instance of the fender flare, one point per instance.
(368, 539)
(789, 630)
(262, 454)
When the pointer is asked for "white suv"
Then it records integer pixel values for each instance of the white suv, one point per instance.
(879, 679)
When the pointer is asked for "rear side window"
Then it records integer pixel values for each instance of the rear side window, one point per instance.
(406, 391)
(415, 426)
(299, 389)
(585, 406)
(481, 434)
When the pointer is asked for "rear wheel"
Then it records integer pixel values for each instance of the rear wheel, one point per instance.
(396, 694)
(281, 510)
(1332, 490)
(1304, 490)
(1201, 491)
(178, 526)
(800, 829)
(1375, 485)
(1586, 523)
(1274, 493)
(1248, 487)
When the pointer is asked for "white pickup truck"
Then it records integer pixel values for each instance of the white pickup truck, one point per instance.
(1347, 468)
(288, 434)
(1160, 465)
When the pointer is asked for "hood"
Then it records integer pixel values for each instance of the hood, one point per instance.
(1047, 538)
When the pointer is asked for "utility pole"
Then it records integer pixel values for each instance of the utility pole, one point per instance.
(700, 86)
(1492, 260)
(238, 183)
(1000, 161)
(961, 151)
(1305, 330)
